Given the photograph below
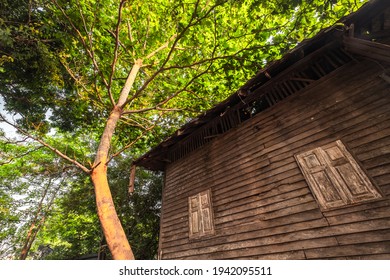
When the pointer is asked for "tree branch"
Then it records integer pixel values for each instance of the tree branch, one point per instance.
(131, 143)
(54, 150)
(116, 48)
(83, 42)
(20, 156)
(163, 46)
(158, 106)
(191, 23)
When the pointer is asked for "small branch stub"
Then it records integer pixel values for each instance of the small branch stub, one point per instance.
(132, 179)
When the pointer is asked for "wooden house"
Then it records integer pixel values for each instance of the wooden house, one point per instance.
(296, 163)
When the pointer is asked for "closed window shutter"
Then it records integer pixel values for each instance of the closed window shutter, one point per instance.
(334, 176)
(206, 215)
(201, 221)
(351, 176)
(321, 179)
(194, 216)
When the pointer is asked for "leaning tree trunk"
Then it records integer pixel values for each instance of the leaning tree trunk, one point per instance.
(111, 225)
(112, 228)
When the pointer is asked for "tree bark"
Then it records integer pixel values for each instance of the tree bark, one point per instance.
(111, 225)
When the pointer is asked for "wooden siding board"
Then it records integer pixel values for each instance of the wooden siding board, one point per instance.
(383, 180)
(291, 255)
(262, 203)
(372, 151)
(364, 237)
(368, 214)
(259, 194)
(356, 208)
(377, 146)
(261, 189)
(349, 250)
(364, 257)
(305, 202)
(385, 189)
(251, 182)
(275, 248)
(379, 170)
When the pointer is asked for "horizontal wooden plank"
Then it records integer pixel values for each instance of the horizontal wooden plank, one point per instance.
(381, 157)
(364, 237)
(299, 200)
(291, 255)
(247, 252)
(385, 190)
(250, 186)
(260, 203)
(377, 147)
(379, 170)
(369, 214)
(363, 257)
(368, 48)
(349, 250)
(382, 180)
(357, 208)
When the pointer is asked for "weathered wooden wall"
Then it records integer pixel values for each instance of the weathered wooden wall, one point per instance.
(263, 207)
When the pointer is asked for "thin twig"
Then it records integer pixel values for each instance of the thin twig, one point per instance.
(147, 34)
(130, 36)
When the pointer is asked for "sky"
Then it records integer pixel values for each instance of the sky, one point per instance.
(9, 131)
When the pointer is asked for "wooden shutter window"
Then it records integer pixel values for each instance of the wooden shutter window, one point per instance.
(334, 176)
(194, 215)
(201, 221)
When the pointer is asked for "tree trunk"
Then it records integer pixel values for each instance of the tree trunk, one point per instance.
(111, 225)
(112, 228)
(30, 238)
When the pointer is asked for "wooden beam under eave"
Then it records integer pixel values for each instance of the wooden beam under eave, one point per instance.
(373, 50)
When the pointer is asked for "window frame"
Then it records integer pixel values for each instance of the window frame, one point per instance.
(200, 215)
(335, 177)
